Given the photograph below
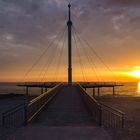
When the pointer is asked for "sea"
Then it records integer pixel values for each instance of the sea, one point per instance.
(128, 89)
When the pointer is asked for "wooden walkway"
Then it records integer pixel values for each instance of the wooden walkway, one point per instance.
(67, 109)
(65, 118)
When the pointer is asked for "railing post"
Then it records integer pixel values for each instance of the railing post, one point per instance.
(100, 115)
(25, 115)
(113, 91)
(93, 92)
(98, 91)
(41, 90)
(46, 89)
(27, 90)
(122, 121)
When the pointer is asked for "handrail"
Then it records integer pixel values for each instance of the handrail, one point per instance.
(113, 109)
(87, 94)
(14, 116)
(92, 105)
(104, 115)
(12, 109)
(37, 104)
(24, 113)
(42, 95)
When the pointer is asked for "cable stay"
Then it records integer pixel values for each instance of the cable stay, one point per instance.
(52, 56)
(91, 63)
(101, 60)
(80, 61)
(94, 52)
(36, 62)
(57, 69)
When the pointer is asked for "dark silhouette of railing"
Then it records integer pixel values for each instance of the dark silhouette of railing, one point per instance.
(37, 104)
(100, 84)
(111, 117)
(14, 117)
(24, 113)
(92, 105)
(104, 115)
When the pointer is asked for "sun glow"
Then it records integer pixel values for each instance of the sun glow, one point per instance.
(136, 73)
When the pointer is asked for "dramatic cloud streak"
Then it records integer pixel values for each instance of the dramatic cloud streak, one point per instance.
(26, 27)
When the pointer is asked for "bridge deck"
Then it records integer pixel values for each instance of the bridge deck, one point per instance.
(67, 109)
(66, 118)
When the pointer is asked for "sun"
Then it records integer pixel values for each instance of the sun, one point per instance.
(136, 73)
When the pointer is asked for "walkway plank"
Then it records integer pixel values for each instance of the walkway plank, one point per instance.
(66, 118)
(67, 109)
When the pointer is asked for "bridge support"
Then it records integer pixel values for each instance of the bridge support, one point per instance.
(98, 92)
(93, 92)
(41, 90)
(27, 90)
(46, 89)
(113, 91)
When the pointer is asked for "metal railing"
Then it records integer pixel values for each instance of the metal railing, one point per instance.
(104, 115)
(92, 105)
(14, 117)
(112, 117)
(101, 84)
(37, 104)
(38, 84)
(24, 113)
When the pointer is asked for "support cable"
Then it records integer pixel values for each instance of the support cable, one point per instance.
(38, 59)
(52, 56)
(59, 59)
(98, 56)
(94, 52)
(79, 58)
(48, 59)
(87, 55)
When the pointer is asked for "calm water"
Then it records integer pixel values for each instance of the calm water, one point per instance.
(6, 88)
(131, 89)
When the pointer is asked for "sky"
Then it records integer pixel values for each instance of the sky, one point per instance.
(111, 27)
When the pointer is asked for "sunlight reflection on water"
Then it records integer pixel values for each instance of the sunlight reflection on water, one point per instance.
(138, 89)
(129, 89)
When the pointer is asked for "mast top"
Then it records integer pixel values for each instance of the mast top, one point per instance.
(69, 5)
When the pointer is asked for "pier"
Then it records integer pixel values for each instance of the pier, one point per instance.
(68, 103)
(90, 85)
(65, 103)
(63, 108)
(67, 109)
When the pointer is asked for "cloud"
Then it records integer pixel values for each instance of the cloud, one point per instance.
(26, 26)
(124, 2)
(29, 20)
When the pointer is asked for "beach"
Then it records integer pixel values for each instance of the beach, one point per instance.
(7, 102)
(131, 107)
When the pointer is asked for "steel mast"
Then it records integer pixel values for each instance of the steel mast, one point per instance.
(69, 24)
